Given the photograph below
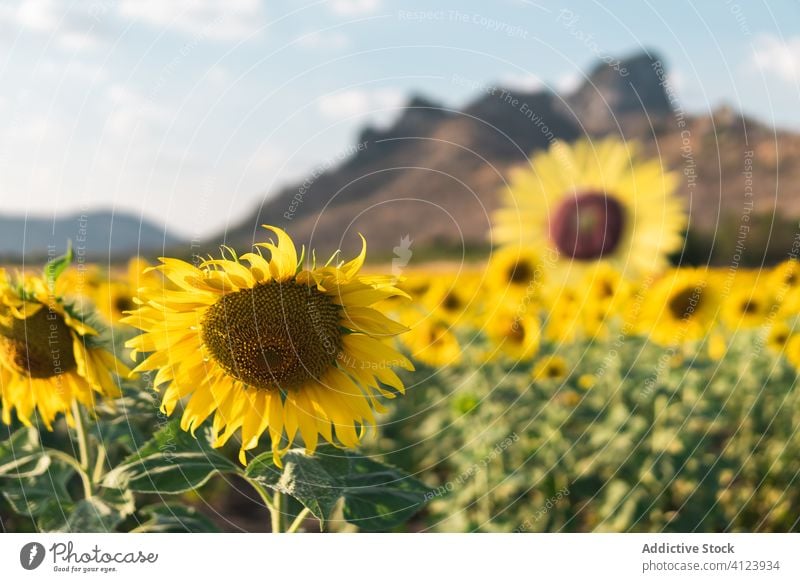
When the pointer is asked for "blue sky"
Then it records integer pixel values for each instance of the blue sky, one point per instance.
(189, 111)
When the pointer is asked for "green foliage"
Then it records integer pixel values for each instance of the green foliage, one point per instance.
(662, 442)
(172, 462)
(56, 267)
(22, 456)
(374, 497)
(174, 518)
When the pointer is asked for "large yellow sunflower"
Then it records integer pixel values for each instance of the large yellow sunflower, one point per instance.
(594, 201)
(49, 357)
(266, 345)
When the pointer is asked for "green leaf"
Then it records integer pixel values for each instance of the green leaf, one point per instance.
(303, 477)
(171, 462)
(378, 497)
(375, 497)
(55, 267)
(175, 518)
(22, 455)
(102, 512)
(42, 494)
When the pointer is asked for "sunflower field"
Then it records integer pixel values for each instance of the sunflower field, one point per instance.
(579, 379)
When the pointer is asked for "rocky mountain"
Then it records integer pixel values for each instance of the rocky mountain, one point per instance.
(437, 174)
(99, 236)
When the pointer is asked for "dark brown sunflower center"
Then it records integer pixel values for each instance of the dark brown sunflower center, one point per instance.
(516, 332)
(520, 273)
(685, 302)
(451, 302)
(554, 370)
(124, 303)
(749, 307)
(587, 226)
(275, 335)
(39, 346)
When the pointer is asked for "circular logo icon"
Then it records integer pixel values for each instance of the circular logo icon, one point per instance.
(31, 555)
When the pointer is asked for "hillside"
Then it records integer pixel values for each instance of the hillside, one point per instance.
(437, 174)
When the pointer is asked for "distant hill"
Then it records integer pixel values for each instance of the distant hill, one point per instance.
(99, 236)
(436, 174)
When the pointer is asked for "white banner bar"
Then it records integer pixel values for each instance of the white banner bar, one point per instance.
(400, 557)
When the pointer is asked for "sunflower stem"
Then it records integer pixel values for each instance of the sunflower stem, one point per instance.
(298, 521)
(268, 501)
(277, 513)
(83, 448)
(99, 465)
(75, 464)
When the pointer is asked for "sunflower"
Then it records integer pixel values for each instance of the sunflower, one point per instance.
(717, 346)
(594, 201)
(266, 345)
(114, 296)
(453, 299)
(680, 307)
(565, 318)
(50, 358)
(746, 307)
(515, 336)
(778, 336)
(552, 367)
(515, 274)
(587, 381)
(431, 341)
(792, 352)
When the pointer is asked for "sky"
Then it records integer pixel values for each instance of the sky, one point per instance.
(189, 112)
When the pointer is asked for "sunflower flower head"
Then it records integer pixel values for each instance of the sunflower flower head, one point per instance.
(592, 202)
(50, 357)
(266, 345)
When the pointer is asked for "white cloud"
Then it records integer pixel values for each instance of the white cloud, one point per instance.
(379, 105)
(77, 69)
(218, 75)
(38, 15)
(521, 82)
(325, 41)
(354, 7)
(70, 25)
(568, 82)
(131, 112)
(212, 19)
(781, 58)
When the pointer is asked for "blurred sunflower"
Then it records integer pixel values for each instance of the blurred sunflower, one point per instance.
(680, 307)
(785, 277)
(432, 342)
(745, 307)
(269, 346)
(515, 336)
(514, 274)
(778, 336)
(717, 346)
(564, 315)
(594, 201)
(552, 367)
(792, 351)
(50, 358)
(115, 297)
(452, 299)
